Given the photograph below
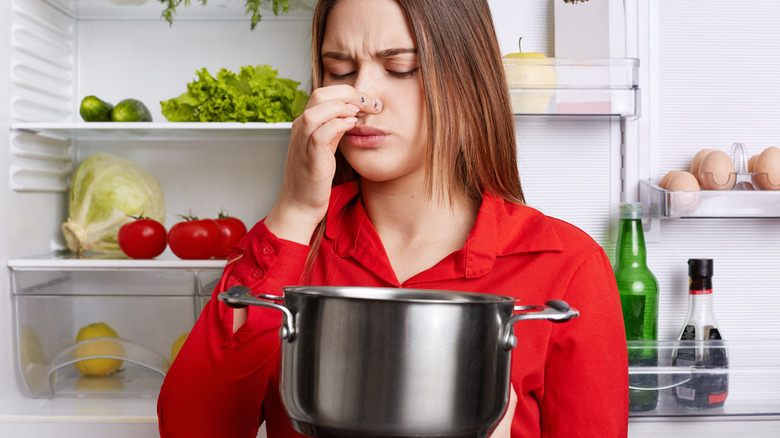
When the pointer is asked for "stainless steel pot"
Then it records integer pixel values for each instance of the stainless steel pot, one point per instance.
(385, 362)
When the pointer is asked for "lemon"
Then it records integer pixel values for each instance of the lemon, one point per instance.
(177, 345)
(100, 384)
(101, 366)
(30, 348)
(524, 74)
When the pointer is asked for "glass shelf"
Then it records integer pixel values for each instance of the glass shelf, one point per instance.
(573, 87)
(70, 262)
(145, 131)
(152, 10)
(752, 373)
(666, 204)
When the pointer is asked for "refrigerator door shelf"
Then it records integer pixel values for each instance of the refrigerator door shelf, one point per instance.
(666, 204)
(540, 86)
(752, 373)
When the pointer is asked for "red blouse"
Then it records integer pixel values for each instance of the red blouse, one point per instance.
(571, 379)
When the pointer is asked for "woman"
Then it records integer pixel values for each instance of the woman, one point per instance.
(410, 122)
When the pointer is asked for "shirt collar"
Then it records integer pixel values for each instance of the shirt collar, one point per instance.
(502, 228)
(345, 214)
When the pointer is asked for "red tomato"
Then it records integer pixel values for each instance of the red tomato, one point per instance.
(232, 230)
(142, 239)
(194, 238)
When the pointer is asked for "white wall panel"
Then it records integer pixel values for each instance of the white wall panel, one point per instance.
(719, 63)
(565, 170)
(530, 19)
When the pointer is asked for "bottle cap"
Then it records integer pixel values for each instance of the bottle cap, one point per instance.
(700, 267)
(631, 210)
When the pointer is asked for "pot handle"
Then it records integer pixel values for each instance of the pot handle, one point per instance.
(239, 297)
(553, 310)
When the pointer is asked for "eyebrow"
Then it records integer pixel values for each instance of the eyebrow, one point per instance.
(339, 56)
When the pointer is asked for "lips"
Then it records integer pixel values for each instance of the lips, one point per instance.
(365, 136)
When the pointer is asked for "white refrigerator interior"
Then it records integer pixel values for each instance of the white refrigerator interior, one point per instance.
(663, 80)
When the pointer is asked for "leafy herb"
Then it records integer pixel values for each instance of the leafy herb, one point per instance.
(253, 6)
(255, 94)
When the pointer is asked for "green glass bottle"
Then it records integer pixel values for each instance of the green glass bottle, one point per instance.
(638, 289)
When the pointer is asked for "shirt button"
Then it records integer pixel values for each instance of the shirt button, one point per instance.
(267, 250)
(257, 273)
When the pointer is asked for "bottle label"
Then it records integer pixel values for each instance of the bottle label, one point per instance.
(686, 356)
(688, 334)
(714, 333)
(717, 398)
(708, 383)
(700, 291)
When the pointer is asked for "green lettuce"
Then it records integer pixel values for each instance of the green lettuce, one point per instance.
(255, 94)
(106, 191)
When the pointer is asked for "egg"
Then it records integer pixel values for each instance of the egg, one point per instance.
(716, 172)
(767, 169)
(686, 196)
(666, 178)
(697, 161)
(751, 163)
(682, 181)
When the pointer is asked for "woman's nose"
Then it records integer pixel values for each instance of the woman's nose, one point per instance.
(365, 78)
(368, 81)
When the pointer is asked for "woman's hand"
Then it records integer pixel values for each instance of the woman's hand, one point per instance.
(504, 428)
(311, 164)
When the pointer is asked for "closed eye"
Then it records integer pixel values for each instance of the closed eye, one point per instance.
(404, 74)
(336, 77)
(398, 74)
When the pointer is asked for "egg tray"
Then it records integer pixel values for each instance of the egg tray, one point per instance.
(743, 200)
(720, 178)
(742, 181)
(736, 203)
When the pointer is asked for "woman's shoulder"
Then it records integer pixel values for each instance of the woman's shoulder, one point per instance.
(526, 226)
(548, 253)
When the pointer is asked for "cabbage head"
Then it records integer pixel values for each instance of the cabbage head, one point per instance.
(106, 191)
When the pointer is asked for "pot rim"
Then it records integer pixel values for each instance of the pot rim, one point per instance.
(399, 295)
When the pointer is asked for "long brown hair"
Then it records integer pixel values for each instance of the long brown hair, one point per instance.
(469, 114)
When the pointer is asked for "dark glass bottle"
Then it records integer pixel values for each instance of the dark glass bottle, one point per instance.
(638, 289)
(709, 382)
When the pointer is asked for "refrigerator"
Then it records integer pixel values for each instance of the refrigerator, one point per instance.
(641, 86)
